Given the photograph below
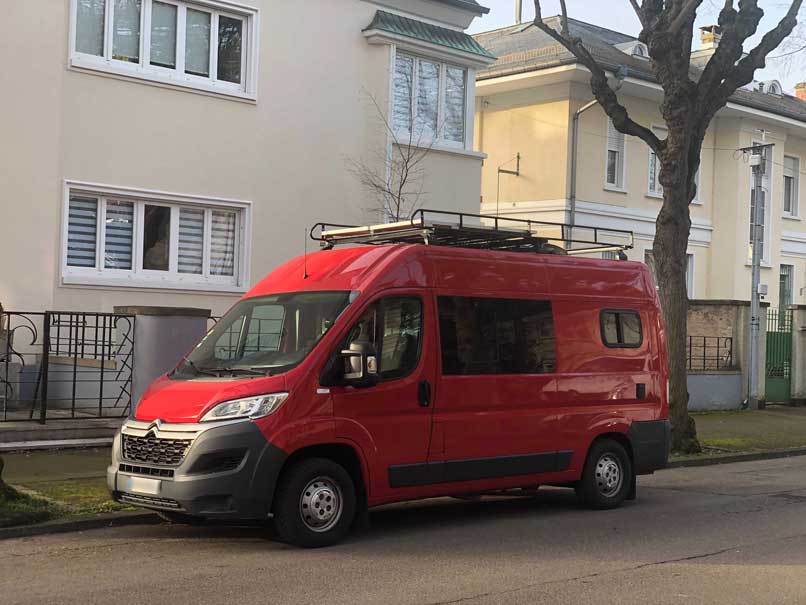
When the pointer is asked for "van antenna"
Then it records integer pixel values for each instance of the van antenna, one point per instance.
(305, 254)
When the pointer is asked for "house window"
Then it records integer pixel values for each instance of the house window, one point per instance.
(763, 222)
(785, 286)
(203, 44)
(649, 261)
(120, 239)
(429, 101)
(791, 185)
(496, 336)
(655, 188)
(614, 176)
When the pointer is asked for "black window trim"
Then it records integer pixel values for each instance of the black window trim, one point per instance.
(545, 299)
(621, 345)
(378, 327)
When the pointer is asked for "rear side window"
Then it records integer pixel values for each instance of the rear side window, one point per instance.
(496, 336)
(621, 329)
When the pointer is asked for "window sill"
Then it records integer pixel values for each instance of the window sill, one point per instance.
(791, 217)
(115, 69)
(139, 283)
(614, 189)
(654, 196)
(437, 148)
(764, 264)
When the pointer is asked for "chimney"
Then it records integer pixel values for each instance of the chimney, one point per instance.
(800, 91)
(518, 11)
(710, 35)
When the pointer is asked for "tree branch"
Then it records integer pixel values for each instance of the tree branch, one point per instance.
(686, 13)
(604, 94)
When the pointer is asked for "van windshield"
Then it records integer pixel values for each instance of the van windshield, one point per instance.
(265, 335)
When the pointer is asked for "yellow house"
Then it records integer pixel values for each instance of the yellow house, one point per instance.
(527, 103)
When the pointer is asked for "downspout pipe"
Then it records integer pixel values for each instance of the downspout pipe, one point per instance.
(572, 206)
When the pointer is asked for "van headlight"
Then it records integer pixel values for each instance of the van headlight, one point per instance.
(250, 407)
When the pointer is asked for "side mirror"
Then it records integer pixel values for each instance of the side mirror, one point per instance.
(360, 365)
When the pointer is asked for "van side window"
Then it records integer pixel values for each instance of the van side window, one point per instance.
(394, 325)
(496, 336)
(621, 329)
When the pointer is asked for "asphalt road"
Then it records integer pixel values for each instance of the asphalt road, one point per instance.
(723, 534)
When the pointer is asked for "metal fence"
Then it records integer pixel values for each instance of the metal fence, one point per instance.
(58, 365)
(708, 353)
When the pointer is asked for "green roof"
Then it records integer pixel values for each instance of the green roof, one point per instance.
(425, 32)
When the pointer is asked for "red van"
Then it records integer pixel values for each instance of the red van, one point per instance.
(443, 359)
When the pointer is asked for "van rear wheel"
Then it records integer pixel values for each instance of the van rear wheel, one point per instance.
(607, 478)
(315, 503)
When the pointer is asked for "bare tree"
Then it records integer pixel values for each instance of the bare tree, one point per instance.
(395, 177)
(691, 99)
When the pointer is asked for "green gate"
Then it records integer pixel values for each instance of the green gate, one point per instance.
(779, 355)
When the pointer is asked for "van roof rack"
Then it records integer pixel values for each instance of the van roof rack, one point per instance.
(479, 231)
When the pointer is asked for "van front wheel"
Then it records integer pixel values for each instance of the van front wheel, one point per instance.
(607, 478)
(315, 503)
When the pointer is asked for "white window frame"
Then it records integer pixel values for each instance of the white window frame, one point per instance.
(621, 179)
(143, 70)
(404, 136)
(137, 277)
(795, 211)
(791, 274)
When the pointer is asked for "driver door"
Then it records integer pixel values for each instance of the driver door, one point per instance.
(392, 419)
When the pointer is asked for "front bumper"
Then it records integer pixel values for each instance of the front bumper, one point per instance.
(228, 470)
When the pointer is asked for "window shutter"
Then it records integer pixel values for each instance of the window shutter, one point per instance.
(82, 231)
(191, 241)
(455, 95)
(615, 143)
(119, 235)
(403, 90)
(222, 244)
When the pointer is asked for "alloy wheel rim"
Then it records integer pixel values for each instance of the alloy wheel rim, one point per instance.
(320, 505)
(609, 475)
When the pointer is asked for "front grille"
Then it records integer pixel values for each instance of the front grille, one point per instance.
(153, 450)
(147, 470)
(148, 501)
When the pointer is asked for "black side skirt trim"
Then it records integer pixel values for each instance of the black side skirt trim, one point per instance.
(427, 473)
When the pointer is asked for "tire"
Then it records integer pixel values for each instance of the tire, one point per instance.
(180, 518)
(315, 504)
(607, 478)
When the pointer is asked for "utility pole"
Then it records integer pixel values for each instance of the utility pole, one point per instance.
(758, 162)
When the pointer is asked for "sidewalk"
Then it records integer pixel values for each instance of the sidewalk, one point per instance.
(776, 428)
(72, 482)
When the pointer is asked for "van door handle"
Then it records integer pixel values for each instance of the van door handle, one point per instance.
(424, 393)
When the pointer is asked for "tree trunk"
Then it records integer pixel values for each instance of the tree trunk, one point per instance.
(6, 491)
(669, 249)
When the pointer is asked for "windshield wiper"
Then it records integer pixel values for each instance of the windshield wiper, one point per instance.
(250, 371)
(195, 368)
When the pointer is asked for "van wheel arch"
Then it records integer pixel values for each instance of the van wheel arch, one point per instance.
(619, 438)
(341, 453)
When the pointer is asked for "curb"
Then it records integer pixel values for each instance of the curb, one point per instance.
(730, 458)
(80, 524)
